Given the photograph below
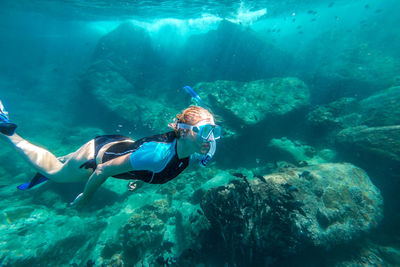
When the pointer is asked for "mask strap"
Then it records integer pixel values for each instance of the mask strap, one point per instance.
(184, 126)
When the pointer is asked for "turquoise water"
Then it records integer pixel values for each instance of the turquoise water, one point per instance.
(308, 93)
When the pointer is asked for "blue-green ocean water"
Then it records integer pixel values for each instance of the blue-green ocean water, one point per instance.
(72, 70)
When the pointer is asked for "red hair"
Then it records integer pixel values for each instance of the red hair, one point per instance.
(192, 115)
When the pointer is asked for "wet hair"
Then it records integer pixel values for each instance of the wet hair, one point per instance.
(192, 115)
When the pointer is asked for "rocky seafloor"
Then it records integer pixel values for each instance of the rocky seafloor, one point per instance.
(294, 183)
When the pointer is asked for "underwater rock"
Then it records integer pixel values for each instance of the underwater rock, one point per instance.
(337, 114)
(366, 131)
(197, 196)
(122, 63)
(145, 235)
(232, 52)
(252, 102)
(383, 142)
(36, 236)
(142, 232)
(319, 206)
(129, 50)
(379, 109)
(120, 96)
(370, 254)
(302, 153)
(138, 83)
(353, 68)
(382, 108)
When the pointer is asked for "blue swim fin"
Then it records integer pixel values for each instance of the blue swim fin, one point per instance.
(38, 179)
(6, 127)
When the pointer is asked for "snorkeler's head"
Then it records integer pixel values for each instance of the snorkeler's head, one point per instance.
(196, 127)
(191, 116)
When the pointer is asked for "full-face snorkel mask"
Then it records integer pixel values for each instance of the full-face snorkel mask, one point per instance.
(206, 132)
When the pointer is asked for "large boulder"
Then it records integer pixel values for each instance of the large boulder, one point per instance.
(379, 109)
(252, 102)
(383, 142)
(382, 108)
(319, 206)
(362, 65)
(338, 114)
(145, 232)
(302, 153)
(121, 96)
(121, 78)
(232, 52)
(130, 50)
(137, 82)
(356, 65)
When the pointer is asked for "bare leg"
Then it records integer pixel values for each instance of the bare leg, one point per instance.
(65, 170)
(65, 158)
(47, 164)
(43, 160)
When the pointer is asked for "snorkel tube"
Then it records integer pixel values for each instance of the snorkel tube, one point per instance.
(194, 96)
(204, 160)
(207, 157)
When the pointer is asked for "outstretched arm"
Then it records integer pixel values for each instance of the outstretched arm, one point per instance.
(99, 176)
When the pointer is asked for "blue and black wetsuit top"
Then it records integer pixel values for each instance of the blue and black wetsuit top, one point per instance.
(154, 159)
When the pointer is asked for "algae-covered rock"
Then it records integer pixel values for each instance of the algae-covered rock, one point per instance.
(36, 236)
(383, 142)
(321, 206)
(252, 102)
(145, 234)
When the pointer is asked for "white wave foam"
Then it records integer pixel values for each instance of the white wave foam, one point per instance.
(182, 27)
(247, 17)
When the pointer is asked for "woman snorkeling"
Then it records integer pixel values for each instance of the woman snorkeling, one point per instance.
(155, 160)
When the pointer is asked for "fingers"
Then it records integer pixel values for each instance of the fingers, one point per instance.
(132, 186)
(80, 201)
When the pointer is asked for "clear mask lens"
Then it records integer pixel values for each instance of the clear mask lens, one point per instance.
(210, 132)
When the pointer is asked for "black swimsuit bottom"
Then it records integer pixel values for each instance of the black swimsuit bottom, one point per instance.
(174, 167)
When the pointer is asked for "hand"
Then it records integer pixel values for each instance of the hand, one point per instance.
(132, 186)
(80, 200)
